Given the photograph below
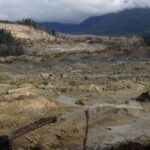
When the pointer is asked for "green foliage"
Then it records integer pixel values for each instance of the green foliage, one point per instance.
(9, 46)
(146, 38)
(6, 37)
(28, 22)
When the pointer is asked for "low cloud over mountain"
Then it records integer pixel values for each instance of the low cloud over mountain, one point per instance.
(71, 11)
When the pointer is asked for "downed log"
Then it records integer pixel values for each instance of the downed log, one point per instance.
(31, 127)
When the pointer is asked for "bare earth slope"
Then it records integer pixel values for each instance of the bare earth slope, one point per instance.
(26, 32)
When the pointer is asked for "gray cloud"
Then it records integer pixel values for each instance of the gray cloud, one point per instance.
(63, 10)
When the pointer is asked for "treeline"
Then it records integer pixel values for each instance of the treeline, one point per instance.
(27, 21)
(6, 21)
(9, 46)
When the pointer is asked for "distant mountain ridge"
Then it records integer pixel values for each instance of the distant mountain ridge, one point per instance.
(126, 22)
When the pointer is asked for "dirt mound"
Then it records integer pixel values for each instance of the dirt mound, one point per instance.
(26, 32)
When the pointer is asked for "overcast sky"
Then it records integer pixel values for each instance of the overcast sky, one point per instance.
(71, 11)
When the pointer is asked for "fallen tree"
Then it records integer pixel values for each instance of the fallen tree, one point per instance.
(5, 141)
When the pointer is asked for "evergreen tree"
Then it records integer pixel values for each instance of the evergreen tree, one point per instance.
(9, 46)
(28, 22)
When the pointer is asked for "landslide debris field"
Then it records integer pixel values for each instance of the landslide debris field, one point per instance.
(68, 75)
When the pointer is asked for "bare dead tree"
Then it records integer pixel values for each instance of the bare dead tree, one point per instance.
(86, 130)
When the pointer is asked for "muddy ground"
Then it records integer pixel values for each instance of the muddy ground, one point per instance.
(105, 84)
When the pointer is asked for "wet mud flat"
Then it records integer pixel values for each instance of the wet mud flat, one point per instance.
(66, 88)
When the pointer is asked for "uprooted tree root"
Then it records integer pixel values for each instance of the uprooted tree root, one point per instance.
(5, 143)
